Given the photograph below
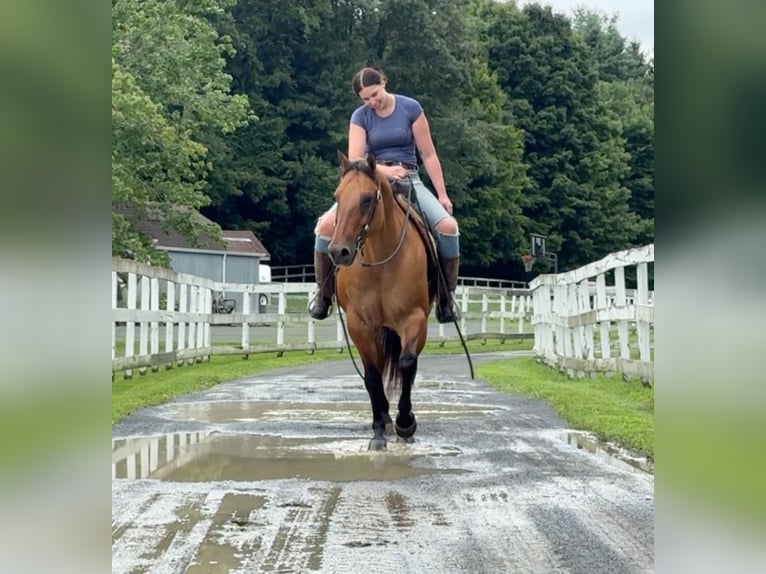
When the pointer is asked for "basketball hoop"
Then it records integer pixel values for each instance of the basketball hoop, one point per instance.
(528, 261)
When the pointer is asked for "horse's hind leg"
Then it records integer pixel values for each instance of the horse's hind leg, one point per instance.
(373, 382)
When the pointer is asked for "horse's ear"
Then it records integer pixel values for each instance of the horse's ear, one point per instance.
(371, 161)
(343, 160)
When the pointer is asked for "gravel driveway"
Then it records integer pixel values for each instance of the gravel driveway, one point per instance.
(272, 474)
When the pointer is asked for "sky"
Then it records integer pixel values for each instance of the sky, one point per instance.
(635, 17)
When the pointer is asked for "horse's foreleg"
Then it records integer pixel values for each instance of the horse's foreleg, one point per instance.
(373, 382)
(413, 338)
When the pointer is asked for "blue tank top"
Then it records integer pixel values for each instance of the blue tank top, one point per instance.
(390, 139)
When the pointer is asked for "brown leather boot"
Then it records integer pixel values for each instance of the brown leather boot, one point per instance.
(445, 306)
(325, 277)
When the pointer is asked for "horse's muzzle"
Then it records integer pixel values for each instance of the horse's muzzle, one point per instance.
(341, 255)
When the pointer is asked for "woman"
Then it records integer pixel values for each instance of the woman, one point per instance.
(392, 126)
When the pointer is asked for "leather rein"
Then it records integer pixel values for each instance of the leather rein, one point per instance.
(366, 228)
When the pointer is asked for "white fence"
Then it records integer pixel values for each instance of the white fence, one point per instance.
(586, 321)
(162, 318)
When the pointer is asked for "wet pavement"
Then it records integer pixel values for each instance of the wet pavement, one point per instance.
(272, 474)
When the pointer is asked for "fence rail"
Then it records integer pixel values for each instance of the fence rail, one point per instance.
(305, 274)
(162, 318)
(586, 321)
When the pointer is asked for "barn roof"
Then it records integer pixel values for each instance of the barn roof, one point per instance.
(232, 241)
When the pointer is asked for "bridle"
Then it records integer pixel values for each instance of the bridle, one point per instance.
(362, 237)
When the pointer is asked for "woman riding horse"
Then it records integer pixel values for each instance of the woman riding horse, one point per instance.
(391, 126)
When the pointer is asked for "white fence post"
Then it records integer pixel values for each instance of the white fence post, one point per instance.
(154, 326)
(246, 298)
(114, 306)
(170, 305)
(183, 307)
(203, 335)
(642, 326)
(602, 303)
(192, 342)
(143, 341)
(130, 325)
(503, 301)
(281, 310)
(619, 301)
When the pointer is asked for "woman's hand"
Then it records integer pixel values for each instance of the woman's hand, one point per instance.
(446, 204)
(393, 171)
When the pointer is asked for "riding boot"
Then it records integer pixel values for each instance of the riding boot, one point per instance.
(325, 277)
(445, 306)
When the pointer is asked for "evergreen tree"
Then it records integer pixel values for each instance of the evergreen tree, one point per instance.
(575, 157)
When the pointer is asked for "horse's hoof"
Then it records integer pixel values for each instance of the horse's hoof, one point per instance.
(377, 444)
(389, 429)
(408, 431)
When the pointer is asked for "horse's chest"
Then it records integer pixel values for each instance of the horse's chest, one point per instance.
(373, 306)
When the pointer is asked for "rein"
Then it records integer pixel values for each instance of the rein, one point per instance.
(366, 227)
(348, 343)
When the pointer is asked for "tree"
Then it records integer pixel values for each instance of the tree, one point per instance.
(626, 87)
(616, 58)
(155, 166)
(575, 157)
(169, 91)
(294, 61)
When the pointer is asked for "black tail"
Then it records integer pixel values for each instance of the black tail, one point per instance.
(392, 351)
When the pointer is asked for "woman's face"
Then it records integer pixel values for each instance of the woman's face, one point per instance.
(374, 96)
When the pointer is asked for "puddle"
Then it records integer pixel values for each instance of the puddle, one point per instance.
(212, 456)
(612, 454)
(339, 412)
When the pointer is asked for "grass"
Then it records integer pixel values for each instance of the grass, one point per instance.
(164, 385)
(606, 406)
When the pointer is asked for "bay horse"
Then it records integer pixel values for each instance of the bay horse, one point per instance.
(383, 286)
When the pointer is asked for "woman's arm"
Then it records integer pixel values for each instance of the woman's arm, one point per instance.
(422, 133)
(357, 143)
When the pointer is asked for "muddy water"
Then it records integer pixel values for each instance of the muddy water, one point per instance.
(209, 456)
(611, 454)
(265, 411)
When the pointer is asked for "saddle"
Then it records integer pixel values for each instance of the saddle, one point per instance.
(401, 189)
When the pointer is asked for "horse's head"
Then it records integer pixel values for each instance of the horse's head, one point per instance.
(357, 195)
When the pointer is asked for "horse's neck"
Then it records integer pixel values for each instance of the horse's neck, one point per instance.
(384, 241)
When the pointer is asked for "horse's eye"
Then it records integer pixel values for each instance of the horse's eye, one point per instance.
(365, 201)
